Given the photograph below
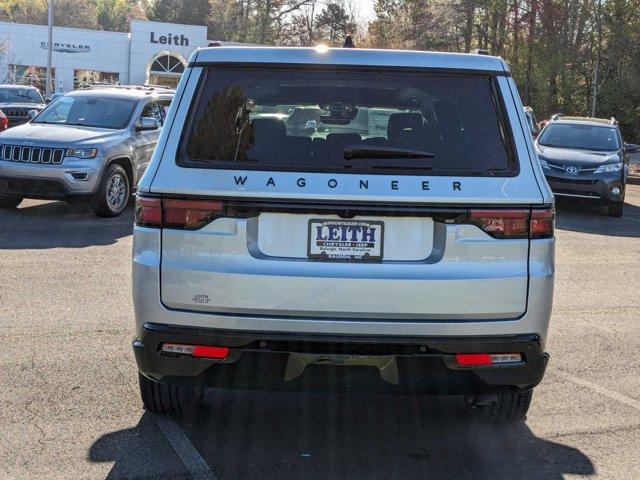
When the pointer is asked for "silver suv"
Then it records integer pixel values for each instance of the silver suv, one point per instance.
(88, 145)
(402, 241)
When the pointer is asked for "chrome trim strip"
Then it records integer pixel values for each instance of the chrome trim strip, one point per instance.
(575, 195)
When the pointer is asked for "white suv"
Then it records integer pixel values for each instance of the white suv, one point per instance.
(400, 231)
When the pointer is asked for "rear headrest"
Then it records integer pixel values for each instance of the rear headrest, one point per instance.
(404, 122)
(344, 138)
(269, 127)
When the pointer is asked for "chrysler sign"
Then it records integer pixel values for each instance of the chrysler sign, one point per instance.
(66, 47)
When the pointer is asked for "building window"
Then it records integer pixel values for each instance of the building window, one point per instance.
(165, 69)
(84, 78)
(31, 75)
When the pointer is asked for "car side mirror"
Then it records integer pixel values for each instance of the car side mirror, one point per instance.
(31, 114)
(146, 123)
(631, 147)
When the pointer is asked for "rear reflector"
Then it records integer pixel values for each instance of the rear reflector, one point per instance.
(199, 351)
(487, 359)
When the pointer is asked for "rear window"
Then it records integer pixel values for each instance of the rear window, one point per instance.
(348, 121)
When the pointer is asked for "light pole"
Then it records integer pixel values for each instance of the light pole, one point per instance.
(596, 70)
(50, 44)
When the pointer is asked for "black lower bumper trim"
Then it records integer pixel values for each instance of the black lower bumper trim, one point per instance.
(598, 188)
(429, 361)
(39, 188)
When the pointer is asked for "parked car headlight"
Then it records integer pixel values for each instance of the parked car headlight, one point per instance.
(82, 152)
(609, 168)
(543, 163)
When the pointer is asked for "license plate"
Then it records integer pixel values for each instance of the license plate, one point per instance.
(345, 240)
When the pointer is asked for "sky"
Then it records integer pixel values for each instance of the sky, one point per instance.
(365, 8)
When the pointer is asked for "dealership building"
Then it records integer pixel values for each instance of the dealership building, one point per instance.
(151, 52)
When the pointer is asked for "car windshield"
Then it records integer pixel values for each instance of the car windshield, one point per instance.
(287, 119)
(90, 111)
(20, 95)
(579, 136)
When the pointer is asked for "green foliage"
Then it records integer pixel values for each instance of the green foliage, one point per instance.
(334, 24)
(552, 47)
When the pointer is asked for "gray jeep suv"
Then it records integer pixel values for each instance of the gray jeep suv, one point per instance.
(89, 145)
(17, 100)
(403, 243)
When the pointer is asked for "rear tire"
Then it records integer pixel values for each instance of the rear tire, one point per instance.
(169, 398)
(113, 193)
(509, 408)
(10, 201)
(616, 209)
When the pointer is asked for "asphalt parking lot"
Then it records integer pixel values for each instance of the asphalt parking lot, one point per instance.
(69, 405)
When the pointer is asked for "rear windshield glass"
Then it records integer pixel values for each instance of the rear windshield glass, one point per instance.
(347, 121)
(583, 137)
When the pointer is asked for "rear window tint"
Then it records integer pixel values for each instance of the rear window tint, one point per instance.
(305, 119)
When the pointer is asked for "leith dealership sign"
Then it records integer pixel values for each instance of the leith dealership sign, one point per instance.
(67, 47)
(169, 39)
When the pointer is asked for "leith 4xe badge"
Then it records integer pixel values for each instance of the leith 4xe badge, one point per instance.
(346, 240)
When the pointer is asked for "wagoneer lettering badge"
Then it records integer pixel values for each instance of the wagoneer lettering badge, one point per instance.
(363, 184)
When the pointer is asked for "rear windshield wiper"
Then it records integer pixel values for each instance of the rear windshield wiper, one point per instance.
(353, 152)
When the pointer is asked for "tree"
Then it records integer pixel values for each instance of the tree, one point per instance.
(75, 14)
(334, 23)
(115, 15)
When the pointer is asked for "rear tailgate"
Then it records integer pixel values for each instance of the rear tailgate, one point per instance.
(260, 256)
(431, 269)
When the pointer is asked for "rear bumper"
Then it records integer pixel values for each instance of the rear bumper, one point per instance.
(597, 188)
(425, 364)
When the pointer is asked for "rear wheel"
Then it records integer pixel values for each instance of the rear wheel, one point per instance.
(10, 201)
(169, 398)
(113, 194)
(503, 408)
(616, 209)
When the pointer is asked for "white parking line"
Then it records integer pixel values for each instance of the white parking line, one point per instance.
(194, 462)
(601, 390)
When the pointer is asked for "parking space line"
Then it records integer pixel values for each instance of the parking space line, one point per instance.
(190, 457)
(600, 389)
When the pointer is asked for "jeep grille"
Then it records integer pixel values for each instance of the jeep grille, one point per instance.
(19, 153)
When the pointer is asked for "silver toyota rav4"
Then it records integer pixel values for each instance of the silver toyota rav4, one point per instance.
(88, 145)
(344, 219)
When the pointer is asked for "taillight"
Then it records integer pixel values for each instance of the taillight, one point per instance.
(516, 223)
(190, 214)
(502, 223)
(148, 212)
(176, 213)
(542, 223)
(4, 121)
